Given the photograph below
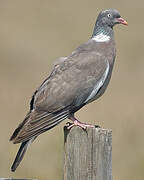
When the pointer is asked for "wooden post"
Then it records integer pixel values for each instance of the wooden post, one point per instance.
(88, 154)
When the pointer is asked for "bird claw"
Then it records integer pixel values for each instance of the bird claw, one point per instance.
(78, 123)
(68, 124)
(97, 126)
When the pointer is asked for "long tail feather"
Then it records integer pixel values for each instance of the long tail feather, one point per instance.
(21, 153)
(33, 125)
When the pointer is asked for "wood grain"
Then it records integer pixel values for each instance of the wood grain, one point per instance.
(88, 154)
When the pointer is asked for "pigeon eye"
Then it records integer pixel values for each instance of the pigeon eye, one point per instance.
(109, 15)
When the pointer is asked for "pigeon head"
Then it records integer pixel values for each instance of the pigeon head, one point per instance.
(105, 22)
(110, 18)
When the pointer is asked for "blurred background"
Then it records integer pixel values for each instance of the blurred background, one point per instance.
(32, 35)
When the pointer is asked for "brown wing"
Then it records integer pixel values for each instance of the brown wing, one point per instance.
(72, 80)
(36, 123)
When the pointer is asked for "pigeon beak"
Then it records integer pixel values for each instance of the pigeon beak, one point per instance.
(121, 21)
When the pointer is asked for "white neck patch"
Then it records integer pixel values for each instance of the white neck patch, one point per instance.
(101, 38)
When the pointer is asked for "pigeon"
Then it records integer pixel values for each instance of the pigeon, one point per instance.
(75, 81)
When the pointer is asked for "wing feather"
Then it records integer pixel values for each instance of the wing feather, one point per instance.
(34, 126)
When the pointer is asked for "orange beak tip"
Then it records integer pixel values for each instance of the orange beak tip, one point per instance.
(122, 21)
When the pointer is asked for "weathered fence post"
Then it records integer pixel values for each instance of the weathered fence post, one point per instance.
(88, 154)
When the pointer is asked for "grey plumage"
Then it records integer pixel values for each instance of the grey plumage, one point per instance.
(21, 153)
(75, 81)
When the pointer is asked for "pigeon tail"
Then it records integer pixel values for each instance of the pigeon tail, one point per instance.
(21, 153)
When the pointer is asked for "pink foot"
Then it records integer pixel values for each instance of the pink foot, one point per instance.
(78, 123)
